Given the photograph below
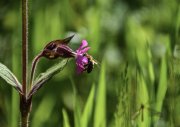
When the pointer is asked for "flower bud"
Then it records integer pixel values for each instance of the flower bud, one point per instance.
(58, 48)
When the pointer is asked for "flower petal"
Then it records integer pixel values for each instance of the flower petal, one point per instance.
(79, 70)
(83, 45)
(85, 50)
(81, 62)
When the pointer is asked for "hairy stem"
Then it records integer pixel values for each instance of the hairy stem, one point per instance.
(34, 63)
(25, 104)
(24, 121)
(24, 44)
(25, 107)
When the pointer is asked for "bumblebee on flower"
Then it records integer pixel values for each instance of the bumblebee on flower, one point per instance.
(60, 48)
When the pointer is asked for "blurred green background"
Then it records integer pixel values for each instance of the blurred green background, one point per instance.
(137, 44)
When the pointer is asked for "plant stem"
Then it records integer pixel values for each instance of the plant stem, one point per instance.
(25, 107)
(24, 44)
(25, 104)
(24, 121)
(34, 63)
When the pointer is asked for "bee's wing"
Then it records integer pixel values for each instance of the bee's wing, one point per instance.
(97, 63)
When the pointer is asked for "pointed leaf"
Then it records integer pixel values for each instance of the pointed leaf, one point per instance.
(162, 87)
(14, 108)
(77, 112)
(65, 119)
(100, 106)
(142, 99)
(77, 106)
(9, 77)
(44, 77)
(85, 118)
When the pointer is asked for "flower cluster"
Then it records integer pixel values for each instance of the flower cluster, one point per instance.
(60, 48)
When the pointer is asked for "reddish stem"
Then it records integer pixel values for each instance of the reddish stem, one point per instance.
(25, 104)
(34, 63)
(24, 44)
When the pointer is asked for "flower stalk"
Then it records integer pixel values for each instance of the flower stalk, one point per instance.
(34, 63)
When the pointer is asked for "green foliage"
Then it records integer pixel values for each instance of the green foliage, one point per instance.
(83, 117)
(9, 77)
(142, 98)
(88, 109)
(44, 77)
(162, 87)
(144, 34)
(14, 108)
(100, 106)
(66, 119)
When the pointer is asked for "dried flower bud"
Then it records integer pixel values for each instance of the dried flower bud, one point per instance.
(58, 48)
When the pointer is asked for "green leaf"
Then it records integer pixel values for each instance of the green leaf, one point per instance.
(85, 118)
(65, 119)
(44, 77)
(77, 106)
(162, 86)
(100, 107)
(77, 112)
(9, 77)
(142, 99)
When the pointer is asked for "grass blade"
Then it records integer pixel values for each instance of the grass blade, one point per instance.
(100, 106)
(65, 119)
(77, 106)
(143, 99)
(162, 87)
(88, 108)
(14, 108)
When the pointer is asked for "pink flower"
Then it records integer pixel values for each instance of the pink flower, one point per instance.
(81, 59)
(60, 48)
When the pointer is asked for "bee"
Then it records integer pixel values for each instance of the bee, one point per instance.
(91, 62)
